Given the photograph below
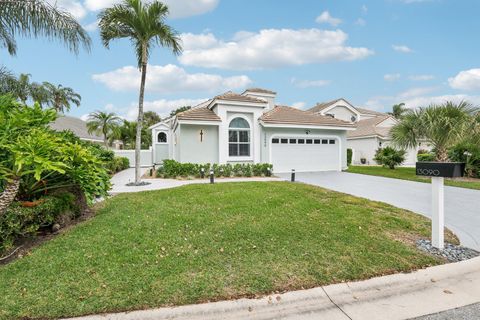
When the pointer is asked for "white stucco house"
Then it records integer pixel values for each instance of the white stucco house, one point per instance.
(372, 130)
(250, 128)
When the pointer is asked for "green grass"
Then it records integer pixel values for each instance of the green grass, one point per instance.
(201, 243)
(409, 174)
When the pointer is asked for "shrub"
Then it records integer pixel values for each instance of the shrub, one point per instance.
(19, 221)
(174, 169)
(389, 157)
(117, 164)
(424, 157)
(457, 154)
(349, 156)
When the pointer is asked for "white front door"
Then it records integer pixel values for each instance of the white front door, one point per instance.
(305, 154)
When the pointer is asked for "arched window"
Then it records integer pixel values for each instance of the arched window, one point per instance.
(162, 137)
(239, 138)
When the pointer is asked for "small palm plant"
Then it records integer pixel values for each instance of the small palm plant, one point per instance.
(442, 126)
(60, 97)
(103, 123)
(144, 25)
(389, 157)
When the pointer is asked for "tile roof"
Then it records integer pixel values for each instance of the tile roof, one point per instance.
(232, 96)
(368, 111)
(323, 105)
(199, 114)
(289, 115)
(76, 125)
(260, 90)
(369, 127)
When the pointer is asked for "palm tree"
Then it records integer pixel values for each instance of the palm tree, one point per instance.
(103, 123)
(60, 97)
(21, 88)
(33, 18)
(441, 125)
(398, 110)
(144, 25)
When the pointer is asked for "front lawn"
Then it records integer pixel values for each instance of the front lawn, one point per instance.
(405, 173)
(201, 243)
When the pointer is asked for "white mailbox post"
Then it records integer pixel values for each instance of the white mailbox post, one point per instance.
(439, 171)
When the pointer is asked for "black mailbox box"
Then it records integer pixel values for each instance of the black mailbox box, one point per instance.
(440, 169)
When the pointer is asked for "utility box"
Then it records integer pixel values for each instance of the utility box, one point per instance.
(440, 169)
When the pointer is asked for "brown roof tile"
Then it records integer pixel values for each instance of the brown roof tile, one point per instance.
(260, 90)
(369, 127)
(232, 96)
(199, 114)
(289, 115)
(368, 111)
(323, 105)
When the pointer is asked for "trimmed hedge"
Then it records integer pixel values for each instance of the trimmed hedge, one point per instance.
(117, 164)
(349, 156)
(425, 157)
(174, 169)
(20, 221)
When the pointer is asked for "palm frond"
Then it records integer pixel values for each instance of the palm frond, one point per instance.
(35, 18)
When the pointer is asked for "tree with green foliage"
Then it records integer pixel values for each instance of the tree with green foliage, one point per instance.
(150, 118)
(389, 157)
(34, 18)
(60, 97)
(443, 126)
(144, 25)
(173, 113)
(103, 123)
(398, 110)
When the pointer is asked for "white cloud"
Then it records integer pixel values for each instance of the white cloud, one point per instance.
(421, 77)
(391, 77)
(162, 107)
(91, 26)
(364, 9)
(466, 80)
(75, 8)
(325, 17)
(309, 83)
(169, 79)
(417, 97)
(361, 22)
(402, 48)
(178, 8)
(269, 48)
(299, 105)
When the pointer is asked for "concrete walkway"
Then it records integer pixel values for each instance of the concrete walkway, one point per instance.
(462, 206)
(399, 296)
(120, 180)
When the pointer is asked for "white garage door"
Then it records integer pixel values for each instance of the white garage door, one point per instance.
(305, 154)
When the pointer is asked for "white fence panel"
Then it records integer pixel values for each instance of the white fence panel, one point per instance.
(146, 157)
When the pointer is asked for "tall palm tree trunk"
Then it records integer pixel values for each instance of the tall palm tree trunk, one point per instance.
(9, 194)
(138, 138)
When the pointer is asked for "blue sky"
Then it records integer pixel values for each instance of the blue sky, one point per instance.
(373, 53)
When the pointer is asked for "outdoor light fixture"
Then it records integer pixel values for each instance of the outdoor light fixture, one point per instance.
(293, 176)
(307, 131)
(202, 173)
(212, 177)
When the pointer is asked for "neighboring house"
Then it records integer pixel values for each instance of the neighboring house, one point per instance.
(373, 130)
(250, 128)
(79, 128)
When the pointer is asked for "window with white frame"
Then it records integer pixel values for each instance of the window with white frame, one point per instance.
(239, 138)
(162, 137)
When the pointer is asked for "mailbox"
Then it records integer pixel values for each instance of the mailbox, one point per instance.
(440, 169)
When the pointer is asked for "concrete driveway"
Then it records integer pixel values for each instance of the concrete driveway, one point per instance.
(462, 206)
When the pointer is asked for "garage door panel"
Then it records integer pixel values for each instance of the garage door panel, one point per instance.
(304, 157)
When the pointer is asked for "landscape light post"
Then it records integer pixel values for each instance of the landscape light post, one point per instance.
(212, 179)
(292, 179)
